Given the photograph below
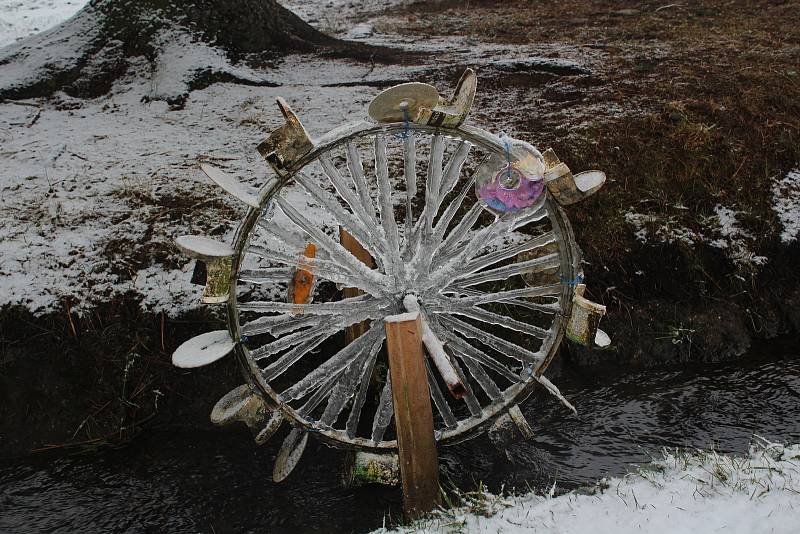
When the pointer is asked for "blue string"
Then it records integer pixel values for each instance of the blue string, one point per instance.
(571, 282)
(406, 133)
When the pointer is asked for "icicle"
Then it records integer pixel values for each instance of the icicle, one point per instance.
(438, 398)
(386, 207)
(486, 316)
(511, 294)
(328, 327)
(534, 265)
(501, 345)
(279, 366)
(556, 393)
(360, 181)
(385, 411)
(345, 192)
(482, 262)
(334, 364)
(410, 173)
(346, 386)
(370, 278)
(349, 305)
(468, 351)
(355, 227)
(453, 171)
(363, 388)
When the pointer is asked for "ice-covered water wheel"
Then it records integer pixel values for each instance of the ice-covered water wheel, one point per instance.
(490, 286)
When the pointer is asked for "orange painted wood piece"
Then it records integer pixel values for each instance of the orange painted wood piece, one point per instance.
(303, 280)
(419, 464)
(355, 248)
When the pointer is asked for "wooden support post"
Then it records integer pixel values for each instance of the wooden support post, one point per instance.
(355, 248)
(419, 465)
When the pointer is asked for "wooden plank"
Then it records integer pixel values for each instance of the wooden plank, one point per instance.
(419, 465)
(355, 248)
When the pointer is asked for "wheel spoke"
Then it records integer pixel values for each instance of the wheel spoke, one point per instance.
(501, 345)
(410, 173)
(510, 295)
(482, 262)
(438, 398)
(363, 388)
(326, 328)
(355, 227)
(468, 351)
(386, 206)
(333, 365)
(283, 363)
(488, 317)
(280, 324)
(535, 265)
(352, 305)
(345, 192)
(366, 278)
(360, 181)
(345, 388)
(452, 172)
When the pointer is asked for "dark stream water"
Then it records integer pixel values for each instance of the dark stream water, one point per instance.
(217, 481)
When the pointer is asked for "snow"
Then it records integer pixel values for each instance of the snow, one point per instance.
(92, 183)
(681, 493)
(786, 203)
(60, 50)
(723, 230)
(21, 18)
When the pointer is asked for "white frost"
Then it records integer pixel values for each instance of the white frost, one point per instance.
(786, 202)
(699, 492)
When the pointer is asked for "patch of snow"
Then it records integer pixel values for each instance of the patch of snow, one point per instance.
(182, 56)
(724, 225)
(21, 18)
(683, 492)
(58, 50)
(649, 227)
(786, 203)
(735, 239)
(93, 192)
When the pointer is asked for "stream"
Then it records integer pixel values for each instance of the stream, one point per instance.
(218, 481)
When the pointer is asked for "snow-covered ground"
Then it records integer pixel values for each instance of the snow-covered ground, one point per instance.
(692, 493)
(21, 18)
(93, 192)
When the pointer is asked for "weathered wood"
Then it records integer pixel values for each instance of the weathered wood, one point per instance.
(355, 248)
(419, 465)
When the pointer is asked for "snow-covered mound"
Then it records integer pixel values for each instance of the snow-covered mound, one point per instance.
(21, 18)
(681, 493)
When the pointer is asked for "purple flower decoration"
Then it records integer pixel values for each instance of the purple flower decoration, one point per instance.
(511, 190)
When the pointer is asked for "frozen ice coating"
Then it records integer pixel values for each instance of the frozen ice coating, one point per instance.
(203, 349)
(230, 184)
(203, 247)
(419, 244)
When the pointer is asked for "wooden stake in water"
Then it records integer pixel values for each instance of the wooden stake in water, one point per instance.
(419, 465)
